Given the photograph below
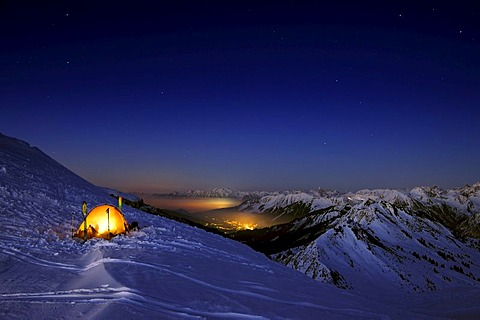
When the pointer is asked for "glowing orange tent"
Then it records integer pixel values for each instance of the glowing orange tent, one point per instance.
(103, 221)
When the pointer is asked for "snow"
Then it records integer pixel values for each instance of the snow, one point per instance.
(393, 256)
(169, 270)
(276, 200)
(165, 270)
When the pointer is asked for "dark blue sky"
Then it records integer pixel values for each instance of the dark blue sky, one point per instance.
(144, 96)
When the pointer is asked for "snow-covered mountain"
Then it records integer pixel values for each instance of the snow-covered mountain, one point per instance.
(214, 193)
(295, 203)
(167, 270)
(425, 239)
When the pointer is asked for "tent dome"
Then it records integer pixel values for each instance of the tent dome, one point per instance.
(103, 221)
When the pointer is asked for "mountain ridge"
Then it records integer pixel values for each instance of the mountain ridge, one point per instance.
(408, 235)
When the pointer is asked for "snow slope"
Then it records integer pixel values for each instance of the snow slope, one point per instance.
(165, 270)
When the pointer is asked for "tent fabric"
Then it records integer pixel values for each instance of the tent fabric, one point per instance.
(103, 221)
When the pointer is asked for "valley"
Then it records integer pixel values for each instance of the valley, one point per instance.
(424, 239)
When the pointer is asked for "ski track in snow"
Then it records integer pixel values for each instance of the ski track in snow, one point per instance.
(120, 295)
(28, 258)
(105, 294)
(124, 295)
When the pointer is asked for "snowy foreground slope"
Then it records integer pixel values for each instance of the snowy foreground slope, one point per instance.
(165, 270)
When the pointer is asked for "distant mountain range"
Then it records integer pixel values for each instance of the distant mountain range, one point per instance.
(422, 239)
(214, 193)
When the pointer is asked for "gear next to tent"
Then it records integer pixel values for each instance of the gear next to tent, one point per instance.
(103, 221)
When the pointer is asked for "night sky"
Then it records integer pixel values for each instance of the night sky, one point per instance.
(148, 96)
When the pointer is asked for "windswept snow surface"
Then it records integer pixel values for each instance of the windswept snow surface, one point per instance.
(165, 270)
